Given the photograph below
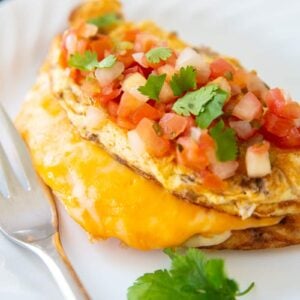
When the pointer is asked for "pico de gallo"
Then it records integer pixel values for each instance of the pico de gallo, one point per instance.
(177, 102)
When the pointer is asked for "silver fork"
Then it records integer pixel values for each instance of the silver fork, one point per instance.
(28, 215)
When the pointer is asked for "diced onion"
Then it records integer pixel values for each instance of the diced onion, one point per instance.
(139, 58)
(88, 30)
(105, 76)
(131, 85)
(71, 43)
(258, 161)
(243, 129)
(166, 94)
(135, 142)
(195, 133)
(94, 117)
(224, 169)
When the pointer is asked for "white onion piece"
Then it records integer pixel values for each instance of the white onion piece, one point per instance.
(256, 85)
(166, 94)
(88, 30)
(257, 163)
(94, 117)
(195, 133)
(224, 169)
(136, 143)
(189, 57)
(105, 76)
(138, 57)
(131, 84)
(71, 43)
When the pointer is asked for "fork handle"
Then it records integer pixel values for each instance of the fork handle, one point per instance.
(51, 252)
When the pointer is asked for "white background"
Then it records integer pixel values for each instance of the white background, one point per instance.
(263, 34)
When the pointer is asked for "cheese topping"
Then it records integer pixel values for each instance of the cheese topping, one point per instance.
(106, 198)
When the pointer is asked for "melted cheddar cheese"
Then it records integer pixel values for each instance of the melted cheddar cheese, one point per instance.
(106, 198)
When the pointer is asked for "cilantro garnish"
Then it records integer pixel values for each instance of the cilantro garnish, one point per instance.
(192, 277)
(155, 55)
(212, 110)
(225, 140)
(105, 21)
(107, 62)
(184, 81)
(88, 61)
(153, 86)
(205, 103)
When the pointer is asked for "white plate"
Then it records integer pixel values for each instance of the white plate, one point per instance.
(264, 35)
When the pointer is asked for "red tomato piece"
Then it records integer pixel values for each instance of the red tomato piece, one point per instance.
(219, 67)
(101, 45)
(276, 125)
(248, 108)
(128, 105)
(243, 129)
(145, 111)
(156, 145)
(173, 125)
(190, 154)
(112, 108)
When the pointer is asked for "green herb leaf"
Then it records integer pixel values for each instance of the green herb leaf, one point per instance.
(88, 61)
(85, 62)
(194, 102)
(225, 140)
(192, 276)
(155, 55)
(153, 86)
(213, 109)
(107, 62)
(184, 81)
(105, 21)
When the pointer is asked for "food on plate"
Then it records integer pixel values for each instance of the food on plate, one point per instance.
(160, 144)
(192, 276)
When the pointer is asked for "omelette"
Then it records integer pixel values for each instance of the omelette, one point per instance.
(159, 144)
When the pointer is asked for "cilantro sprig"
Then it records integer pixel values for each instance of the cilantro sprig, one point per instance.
(225, 140)
(192, 277)
(105, 21)
(153, 86)
(155, 55)
(184, 81)
(206, 104)
(88, 61)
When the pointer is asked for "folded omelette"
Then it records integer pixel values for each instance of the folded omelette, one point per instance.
(157, 143)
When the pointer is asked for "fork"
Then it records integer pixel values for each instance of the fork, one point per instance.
(28, 215)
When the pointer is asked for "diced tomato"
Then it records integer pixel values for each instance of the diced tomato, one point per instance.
(277, 125)
(130, 35)
(75, 74)
(156, 145)
(224, 170)
(240, 78)
(107, 94)
(145, 111)
(125, 123)
(248, 108)
(190, 154)
(243, 129)
(128, 105)
(101, 45)
(126, 58)
(207, 144)
(213, 182)
(276, 103)
(112, 108)
(173, 125)
(191, 123)
(219, 67)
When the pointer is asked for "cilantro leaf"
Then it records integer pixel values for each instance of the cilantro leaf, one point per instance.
(194, 102)
(184, 81)
(105, 21)
(88, 61)
(153, 86)
(213, 109)
(192, 276)
(155, 55)
(225, 140)
(107, 62)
